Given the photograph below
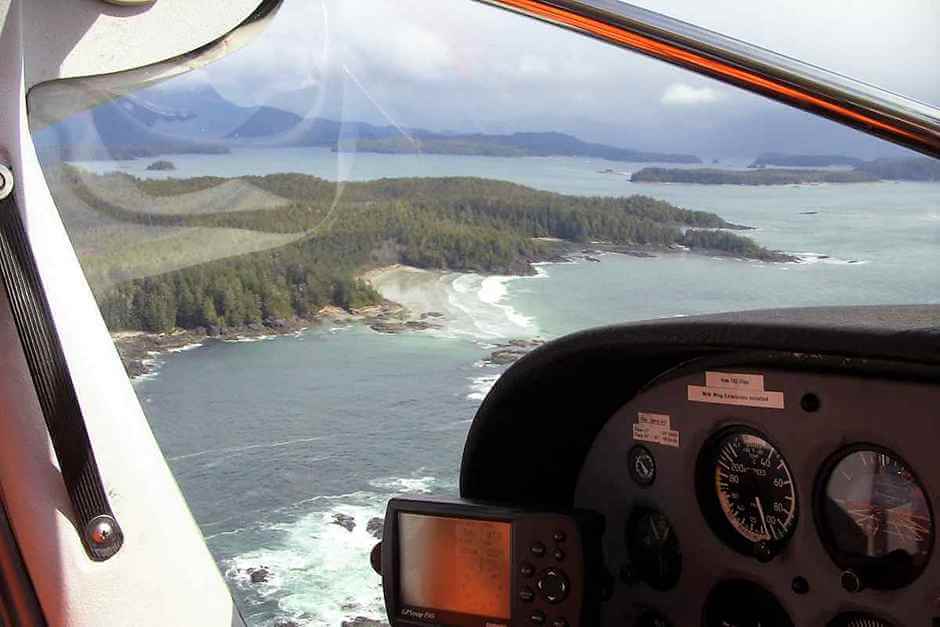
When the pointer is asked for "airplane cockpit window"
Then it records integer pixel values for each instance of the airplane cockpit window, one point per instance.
(317, 255)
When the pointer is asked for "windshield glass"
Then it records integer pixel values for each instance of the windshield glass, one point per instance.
(317, 255)
(892, 45)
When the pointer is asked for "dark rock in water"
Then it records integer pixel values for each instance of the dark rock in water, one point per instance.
(375, 526)
(504, 357)
(808, 213)
(361, 621)
(387, 327)
(432, 314)
(345, 521)
(525, 343)
(258, 575)
(419, 325)
(594, 259)
(512, 351)
(286, 622)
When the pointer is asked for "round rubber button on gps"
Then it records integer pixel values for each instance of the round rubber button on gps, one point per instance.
(553, 584)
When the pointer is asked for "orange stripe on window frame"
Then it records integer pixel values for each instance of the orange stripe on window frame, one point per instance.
(674, 54)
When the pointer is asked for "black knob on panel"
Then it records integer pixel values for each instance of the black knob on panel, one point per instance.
(763, 552)
(375, 558)
(852, 582)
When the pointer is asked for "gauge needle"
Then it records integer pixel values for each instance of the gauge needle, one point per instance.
(655, 531)
(763, 519)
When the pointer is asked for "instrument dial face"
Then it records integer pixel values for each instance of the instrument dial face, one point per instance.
(740, 603)
(752, 490)
(651, 618)
(858, 619)
(875, 517)
(654, 549)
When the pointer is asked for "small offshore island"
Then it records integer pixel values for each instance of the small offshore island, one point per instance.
(339, 232)
(763, 176)
(908, 169)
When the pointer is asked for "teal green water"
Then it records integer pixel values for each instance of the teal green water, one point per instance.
(270, 439)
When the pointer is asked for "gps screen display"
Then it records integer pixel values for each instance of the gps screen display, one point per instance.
(455, 564)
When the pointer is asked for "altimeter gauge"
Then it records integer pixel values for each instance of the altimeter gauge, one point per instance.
(747, 492)
(874, 516)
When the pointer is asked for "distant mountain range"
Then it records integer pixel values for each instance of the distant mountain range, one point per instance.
(201, 120)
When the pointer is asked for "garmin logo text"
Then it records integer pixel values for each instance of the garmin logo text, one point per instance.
(419, 614)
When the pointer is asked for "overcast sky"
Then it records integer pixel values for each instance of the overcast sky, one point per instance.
(460, 65)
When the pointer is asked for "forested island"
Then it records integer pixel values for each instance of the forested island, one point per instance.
(804, 161)
(910, 169)
(458, 224)
(764, 176)
(543, 144)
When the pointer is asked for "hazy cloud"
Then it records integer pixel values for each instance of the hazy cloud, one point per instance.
(682, 94)
(463, 65)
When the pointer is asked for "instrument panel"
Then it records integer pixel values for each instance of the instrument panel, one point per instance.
(742, 496)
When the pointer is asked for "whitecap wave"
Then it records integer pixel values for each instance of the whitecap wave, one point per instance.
(248, 340)
(814, 258)
(317, 569)
(407, 485)
(152, 366)
(184, 348)
(461, 305)
(481, 386)
(242, 449)
(477, 309)
(318, 573)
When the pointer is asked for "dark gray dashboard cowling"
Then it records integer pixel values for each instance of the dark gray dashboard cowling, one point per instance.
(531, 434)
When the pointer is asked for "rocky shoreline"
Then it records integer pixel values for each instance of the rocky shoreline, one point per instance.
(140, 351)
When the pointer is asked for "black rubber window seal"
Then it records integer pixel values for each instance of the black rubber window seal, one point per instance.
(95, 521)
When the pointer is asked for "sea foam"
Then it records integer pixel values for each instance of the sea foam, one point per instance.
(318, 571)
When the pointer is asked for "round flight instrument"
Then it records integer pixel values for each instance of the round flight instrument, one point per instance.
(653, 548)
(874, 516)
(858, 619)
(652, 618)
(747, 492)
(740, 603)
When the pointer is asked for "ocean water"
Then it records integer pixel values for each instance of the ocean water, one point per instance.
(271, 439)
